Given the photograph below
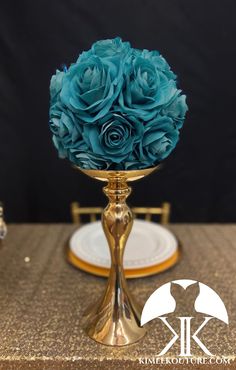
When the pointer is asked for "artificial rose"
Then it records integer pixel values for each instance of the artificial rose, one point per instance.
(113, 137)
(88, 160)
(89, 88)
(159, 62)
(55, 86)
(67, 133)
(159, 139)
(148, 86)
(111, 48)
(176, 110)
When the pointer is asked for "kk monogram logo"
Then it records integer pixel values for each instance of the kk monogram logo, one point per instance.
(199, 298)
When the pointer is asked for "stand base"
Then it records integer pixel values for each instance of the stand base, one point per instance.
(110, 324)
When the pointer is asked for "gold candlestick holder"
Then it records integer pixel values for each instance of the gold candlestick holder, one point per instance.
(115, 320)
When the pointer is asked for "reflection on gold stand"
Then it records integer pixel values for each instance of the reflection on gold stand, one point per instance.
(116, 319)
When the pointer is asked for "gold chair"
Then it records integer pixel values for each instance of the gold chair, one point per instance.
(147, 212)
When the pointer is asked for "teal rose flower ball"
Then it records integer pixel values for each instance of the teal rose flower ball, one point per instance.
(116, 108)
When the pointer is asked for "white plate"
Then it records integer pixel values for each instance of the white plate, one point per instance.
(148, 244)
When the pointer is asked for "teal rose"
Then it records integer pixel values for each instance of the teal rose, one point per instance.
(110, 48)
(114, 137)
(67, 133)
(159, 139)
(149, 85)
(88, 160)
(159, 62)
(55, 88)
(176, 110)
(90, 88)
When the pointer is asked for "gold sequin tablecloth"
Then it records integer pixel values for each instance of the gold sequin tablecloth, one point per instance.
(42, 299)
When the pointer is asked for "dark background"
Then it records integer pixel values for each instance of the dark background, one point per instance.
(198, 40)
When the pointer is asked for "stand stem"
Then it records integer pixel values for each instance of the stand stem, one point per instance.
(116, 320)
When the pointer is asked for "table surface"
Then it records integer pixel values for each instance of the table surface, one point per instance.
(42, 301)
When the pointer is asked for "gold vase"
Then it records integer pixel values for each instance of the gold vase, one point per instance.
(115, 320)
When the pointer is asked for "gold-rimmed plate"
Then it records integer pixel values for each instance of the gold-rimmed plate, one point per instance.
(150, 249)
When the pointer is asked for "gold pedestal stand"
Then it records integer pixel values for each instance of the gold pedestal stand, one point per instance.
(116, 319)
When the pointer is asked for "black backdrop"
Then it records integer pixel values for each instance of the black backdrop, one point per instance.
(198, 40)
